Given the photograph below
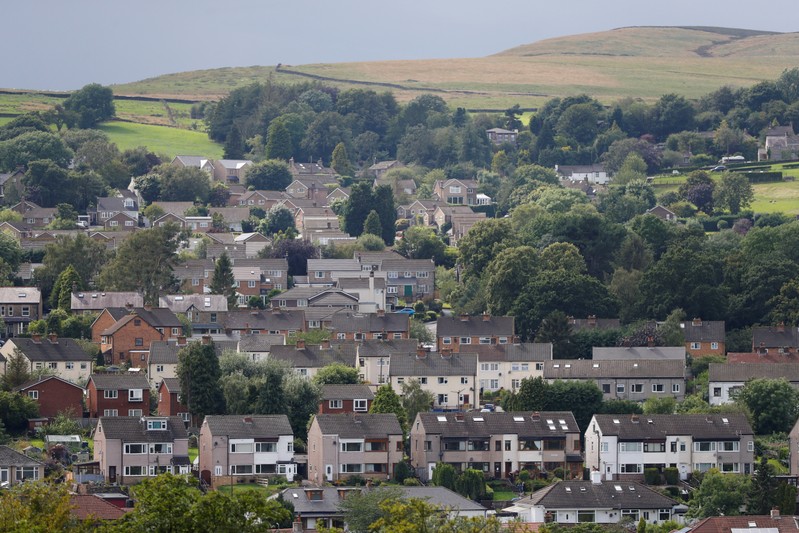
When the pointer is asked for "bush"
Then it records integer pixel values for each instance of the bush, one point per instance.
(355, 481)
(524, 475)
(435, 305)
(411, 482)
(651, 476)
(430, 316)
(558, 473)
(402, 472)
(419, 307)
(672, 476)
(489, 493)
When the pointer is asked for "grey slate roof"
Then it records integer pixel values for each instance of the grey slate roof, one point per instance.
(312, 356)
(15, 295)
(472, 326)
(657, 427)
(638, 353)
(274, 320)
(579, 324)
(134, 429)
(747, 371)
(259, 343)
(10, 457)
(524, 352)
(163, 352)
(523, 423)
(703, 330)
(121, 381)
(434, 364)
(172, 384)
(81, 300)
(323, 265)
(355, 426)
(604, 495)
(62, 349)
(356, 322)
(385, 347)
(259, 426)
(180, 303)
(347, 392)
(775, 337)
(587, 369)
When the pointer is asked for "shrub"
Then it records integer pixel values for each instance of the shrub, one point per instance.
(402, 472)
(411, 482)
(651, 476)
(419, 307)
(672, 476)
(355, 481)
(524, 475)
(430, 316)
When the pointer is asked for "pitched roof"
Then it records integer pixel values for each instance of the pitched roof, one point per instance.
(356, 426)
(172, 384)
(604, 495)
(777, 336)
(99, 300)
(356, 322)
(134, 429)
(657, 427)
(747, 371)
(157, 317)
(46, 350)
(121, 381)
(347, 392)
(587, 369)
(703, 330)
(523, 352)
(30, 295)
(385, 347)
(259, 343)
(248, 426)
(311, 356)
(34, 382)
(163, 352)
(274, 320)
(740, 524)
(180, 303)
(432, 364)
(579, 324)
(10, 457)
(472, 326)
(525, 424)
(638, 353)
(91, 506)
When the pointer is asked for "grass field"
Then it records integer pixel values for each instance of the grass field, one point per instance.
(168, 142)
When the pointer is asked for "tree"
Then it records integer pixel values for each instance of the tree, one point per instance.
(278, 219)
(420, 332)
(234, 144)
(302, 401)
(47, 184)
(340, 162)
(662, 406)
(363, 508)
(85, 255)
(531, 396)
(34, 146)
(372, 224)
(483, 243)
(415, 399)
(420, 242)
(762, 490)
(223, 282)
(470, 484)
(387, 401)
(17, 371)
(633, 168)
(337, 374)
(93, 103)
(357, 208)
(555, 329)
(185, 184)
(15, 410)
(719, 495)
(198, 371)
(774, 404)
(269, 175)
(10, 251)
(38, 508)
(387, 211)
(67, 282)
(785, 498)
(734, 192)
(278, 141)
(144, 263)
(296, 251)
(444, 475)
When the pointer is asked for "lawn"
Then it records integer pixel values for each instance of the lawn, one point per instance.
(241, 487)
(776, 197)
(193, 454)
(504, 496)
(164, 140)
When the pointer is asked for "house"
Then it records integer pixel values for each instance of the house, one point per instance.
(195, 275)
(459, 192)
(781, 143)
(374, 357)
(230, 171)
(599, 502)
(408, 279)
(725, 380)
(317, 507)
(326, 271)
(54, 395)
(275, 321)
(19, 306)
(206, 312)
(132, 448)
(592, 322)
(380, 325)
(499, 136)
(11, 186)
(380, 168)
(62, 357)
(258, 347)
(235, 448)
(638, 353)
(86, 303)
(120, 394)
(504, 366)
(595, 173)
(308, 359)
(624, 379)
(109, 207)
(301, 297)
(704, 337)
(169, 400)
(338, 399)
(497, 444)
(262, 199)
(453, 332)
(779, 338)
(93, 508)
(793, 449)
(195, 161)
(450, 377)
(231, 217)
(367, 445)
(622, 447)
(462, 224)
(162, 360)
(773, 523)
(418, 212)
(125, 334)
(369, 289)
(662, 213)
(34, 215)
(16, 467)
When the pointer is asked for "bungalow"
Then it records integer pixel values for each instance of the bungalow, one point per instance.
(662, 213)
(16, 468)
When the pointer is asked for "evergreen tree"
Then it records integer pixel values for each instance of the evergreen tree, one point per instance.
(384, 205)
(357, 208)
(387, 401)
(234, 144)
(222, 281)
(444, 475)
(372, 224)
(341, 161)
(278, 141)
(198, 371)
(763, 489)
(555, 328)
(17, 371)
(61, 296)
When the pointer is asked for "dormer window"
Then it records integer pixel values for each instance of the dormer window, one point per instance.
(156, 424)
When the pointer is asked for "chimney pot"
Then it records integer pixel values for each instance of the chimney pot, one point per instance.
(37, 338)
(300, 344)
(381, 312)
(206, 339)
(486, 317)
(696, 322)
(325, 344)
(53, 338)
(181, 340)
(421, 353)
(464, 317)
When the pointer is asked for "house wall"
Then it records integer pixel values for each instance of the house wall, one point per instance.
(703, 349)
(347, 406)
(495, 375)
(168, 404)
(55, 396)
(672, 387)
(449, 387)
(97, 404)
(79, 373)
(723, 392)
(214, 454)
(156, 376)
(123, 344)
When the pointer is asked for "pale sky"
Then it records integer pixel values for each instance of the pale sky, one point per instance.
(65, 44)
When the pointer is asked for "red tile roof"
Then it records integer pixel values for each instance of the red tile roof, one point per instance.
(90, 506)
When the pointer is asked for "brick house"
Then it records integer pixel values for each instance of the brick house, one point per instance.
(19, 306)
(16, 467)
(453, 332)
(169, 400)
(241, 447)
(132, 448)
(87, 302)
(54, 395)
(380, 325)
(124, 335)
(369, 445)
(123, 394)
(780, 338)
(339, 399)
(308, 359)
(704, 337)
(274, 322)
(62, 357)
(231, 171)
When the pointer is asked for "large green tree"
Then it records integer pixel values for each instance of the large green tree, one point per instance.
(774, 404)
(269, 175)
(415, 399)
(69, 280)
(719, 495)
(734, 192)
(337, 374)
(372, 224)
(387, 401)
(85, 255)
(93, 103)
(199, 373)
(222, 281)
(34, 146)
(278, 141)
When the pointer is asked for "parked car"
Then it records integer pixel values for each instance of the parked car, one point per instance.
(719, 168)
(407, 310)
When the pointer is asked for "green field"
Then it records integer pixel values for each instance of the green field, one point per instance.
(165, 141)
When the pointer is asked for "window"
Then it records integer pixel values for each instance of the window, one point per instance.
(606, 388)
(336, 404)
(110, 394)
(657, 387)
(603, 447)
(351, 468)
(34, 394)
(523, 367)
(750, 446)
(114, 223)
(703, 467)
(637, 387)
(159, 368)
(464, 380)
(631, 513)
(134, 412)
(631, 446)
(156, 424)
(620, 388)
(175, 331)
(664, 515)
(443, 399)
(195, 281)
(675, 388)
(251, 284)
(26, 311)
(446, 340)
(70, 365)
(360, 405)
(485, 340)
(695, 346)
(714, 346)
(161, 447)
(716, 392)
(110, 412)
(466, 340)
(240, 470)
(265, 447)
(485, 367)
(135, 449)
(728, 446)
(135, 395)
(423, 380)
(135, 471)
(630, 469)
(654, 447)
(704, 446)
(442, 380)
(52, 366)
(241, 447)
(586, 516)
(351, 446)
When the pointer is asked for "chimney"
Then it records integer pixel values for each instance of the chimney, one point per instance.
(206, 340)
(596, 477)
(248, 420)
(696, 322)
(296, 526)
(446, 353)
(781, 327)
(325, 344)
(464, 317)
(421, 353)
(300, 344)
(253, 313)
(148, 307)
(74, 286)
(53, 338)
(275, 309)
(37, 338)
(458, 417)
(634, 418)
(486, 317)
(775, 513)
(592, 320)
(650, 341)
(536, 416)
(181, 340)
(381, 312)
(129, 306)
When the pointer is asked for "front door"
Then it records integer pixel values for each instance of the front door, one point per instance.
(497, 470)
(408, 291)
(112, 474)
(329, 472)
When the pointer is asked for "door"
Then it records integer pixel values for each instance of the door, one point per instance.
(112, 474)
(508, 468)
(497, 470)
(408, 291)
(329, 472)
